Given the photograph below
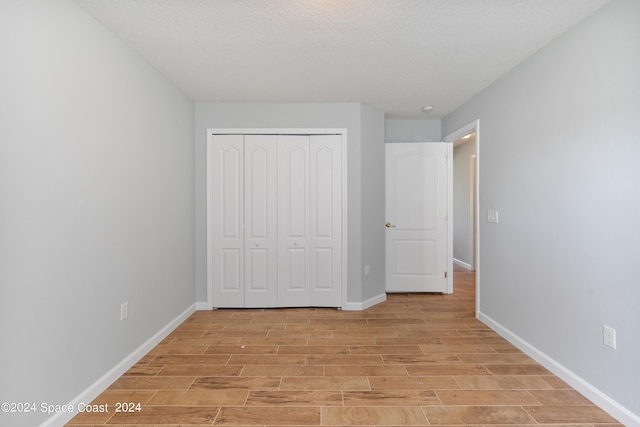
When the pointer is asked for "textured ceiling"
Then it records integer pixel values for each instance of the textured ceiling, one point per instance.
(395, 55)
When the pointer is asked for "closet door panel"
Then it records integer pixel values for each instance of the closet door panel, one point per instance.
(293, 202)
(322, 268)
(296, 274)
(260, 157)
(325, 220)
(231, 271)
(257, 278)
(226, 180)
(296, 191)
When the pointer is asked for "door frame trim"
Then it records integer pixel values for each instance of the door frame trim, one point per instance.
(450, 218)
(452, 137)
(277, 131)
(473, 208)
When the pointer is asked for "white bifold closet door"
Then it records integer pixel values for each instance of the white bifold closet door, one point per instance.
(260, 238)
(309, 220)
(243, 220)
(276, 220)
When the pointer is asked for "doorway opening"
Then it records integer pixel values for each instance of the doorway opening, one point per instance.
(467, 139)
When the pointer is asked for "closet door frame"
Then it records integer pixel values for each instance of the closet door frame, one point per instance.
(273, 131)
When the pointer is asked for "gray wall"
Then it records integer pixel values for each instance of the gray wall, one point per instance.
(462, 230)
(96, 203)
(558, 158)
(399, 130)
(373, 231)
(291, 115)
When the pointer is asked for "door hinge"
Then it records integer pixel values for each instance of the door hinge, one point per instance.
(445, 274)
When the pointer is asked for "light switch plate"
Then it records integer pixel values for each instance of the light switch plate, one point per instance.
(492, 216)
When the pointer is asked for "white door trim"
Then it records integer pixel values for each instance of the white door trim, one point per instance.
(473, 208)
(450, 218)
(276, 131)
(452, 137)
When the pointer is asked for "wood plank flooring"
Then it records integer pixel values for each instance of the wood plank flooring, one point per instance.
(418, 360)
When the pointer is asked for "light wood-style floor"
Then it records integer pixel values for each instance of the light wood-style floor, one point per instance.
(418, 359)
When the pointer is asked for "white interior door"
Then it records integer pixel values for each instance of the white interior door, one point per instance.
(226, 220)
(293, 215)
(417, 239)
(260, 222)
(325, 220)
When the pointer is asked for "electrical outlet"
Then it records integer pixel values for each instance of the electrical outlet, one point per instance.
(366, 269)
(124, 310)
(609, 336)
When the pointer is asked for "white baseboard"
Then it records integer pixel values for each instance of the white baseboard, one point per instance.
(359, 306)
(202, 306)
(613, 408)
(59, 419)
(462, 264)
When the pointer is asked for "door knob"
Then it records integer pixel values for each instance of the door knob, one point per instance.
(388, 225)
